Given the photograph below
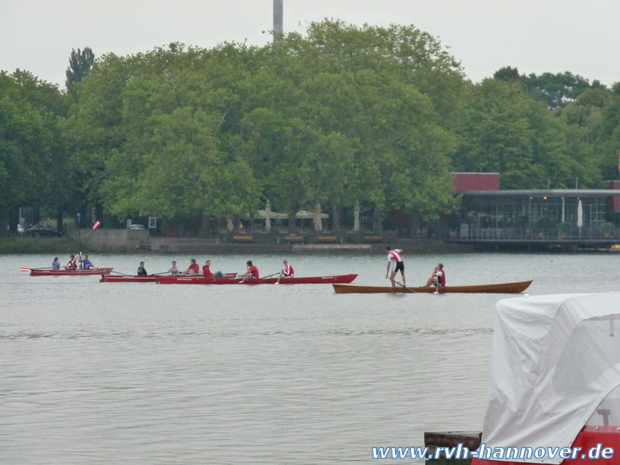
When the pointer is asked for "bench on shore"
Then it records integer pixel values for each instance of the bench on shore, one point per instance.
(326, 238)
(243, 239)
(373, 238)
(294, 238)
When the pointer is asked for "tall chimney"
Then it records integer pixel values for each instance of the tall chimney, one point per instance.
(278, 19)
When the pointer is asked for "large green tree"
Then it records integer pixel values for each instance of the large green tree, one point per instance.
(508, 132)
(32, 152)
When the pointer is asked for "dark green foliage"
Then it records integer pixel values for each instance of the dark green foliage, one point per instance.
(557, 90)
(507, 74)
(80, 63)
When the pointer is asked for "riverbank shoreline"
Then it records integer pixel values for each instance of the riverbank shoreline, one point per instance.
(131, 242)
(142, 243)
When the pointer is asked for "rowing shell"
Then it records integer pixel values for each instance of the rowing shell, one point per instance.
(97, 271)
(504, 288)
(128, 279)
(347, 278)
(148, 279)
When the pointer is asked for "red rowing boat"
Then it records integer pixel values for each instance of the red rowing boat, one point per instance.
(339, 279)
(128, 279)
(149, 279)
(96, 271)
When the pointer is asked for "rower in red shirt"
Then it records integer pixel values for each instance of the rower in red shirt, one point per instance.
(206, 271)
(252, 272)
(193, 268)
(288, 271)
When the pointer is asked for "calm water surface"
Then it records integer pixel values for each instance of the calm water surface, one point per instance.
(143, 373)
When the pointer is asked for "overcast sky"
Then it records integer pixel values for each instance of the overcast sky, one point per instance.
(536, 36)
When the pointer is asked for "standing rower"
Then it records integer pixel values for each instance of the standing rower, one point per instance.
(395, 262)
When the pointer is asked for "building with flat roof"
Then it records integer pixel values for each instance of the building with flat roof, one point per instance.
(571, 218)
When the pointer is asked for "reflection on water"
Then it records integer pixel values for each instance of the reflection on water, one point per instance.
(146, 373)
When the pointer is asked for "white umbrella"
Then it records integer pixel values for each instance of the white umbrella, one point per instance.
(579, 214)
(306, 215)
(268, 216)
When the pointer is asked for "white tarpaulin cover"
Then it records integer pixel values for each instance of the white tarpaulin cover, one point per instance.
(554, 359)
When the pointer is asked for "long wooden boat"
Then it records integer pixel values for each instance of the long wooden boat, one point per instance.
(504, 288)
(347, 278)
(95, 271)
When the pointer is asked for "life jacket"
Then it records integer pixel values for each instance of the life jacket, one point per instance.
(441, 276)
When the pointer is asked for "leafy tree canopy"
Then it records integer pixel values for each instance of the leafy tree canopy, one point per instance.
(80, 63)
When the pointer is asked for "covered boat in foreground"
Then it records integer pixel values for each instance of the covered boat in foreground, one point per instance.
(347, 278)
(554, 382)
(504, 288)
(48, 272)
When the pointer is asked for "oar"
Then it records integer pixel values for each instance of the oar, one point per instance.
(264, 277)
(403, 286)
(95, 226)
(122, 274)
(270, 275)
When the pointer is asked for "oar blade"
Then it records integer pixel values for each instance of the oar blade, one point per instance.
(405, 287)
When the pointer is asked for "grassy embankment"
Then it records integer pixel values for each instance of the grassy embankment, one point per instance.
(52, 245)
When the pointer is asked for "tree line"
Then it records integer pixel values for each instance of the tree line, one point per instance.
(339, 116)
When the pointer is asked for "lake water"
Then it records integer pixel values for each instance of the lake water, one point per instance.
(169, 374)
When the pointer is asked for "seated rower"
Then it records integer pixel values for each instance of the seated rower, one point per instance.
(206, 271)
(252, 272)
(87, 264)
(142, 270)
(71, 265)
(173, 269)
(288, 271)
(438, 278)
(193, 268)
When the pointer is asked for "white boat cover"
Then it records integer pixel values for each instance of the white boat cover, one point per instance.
(554, 359)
